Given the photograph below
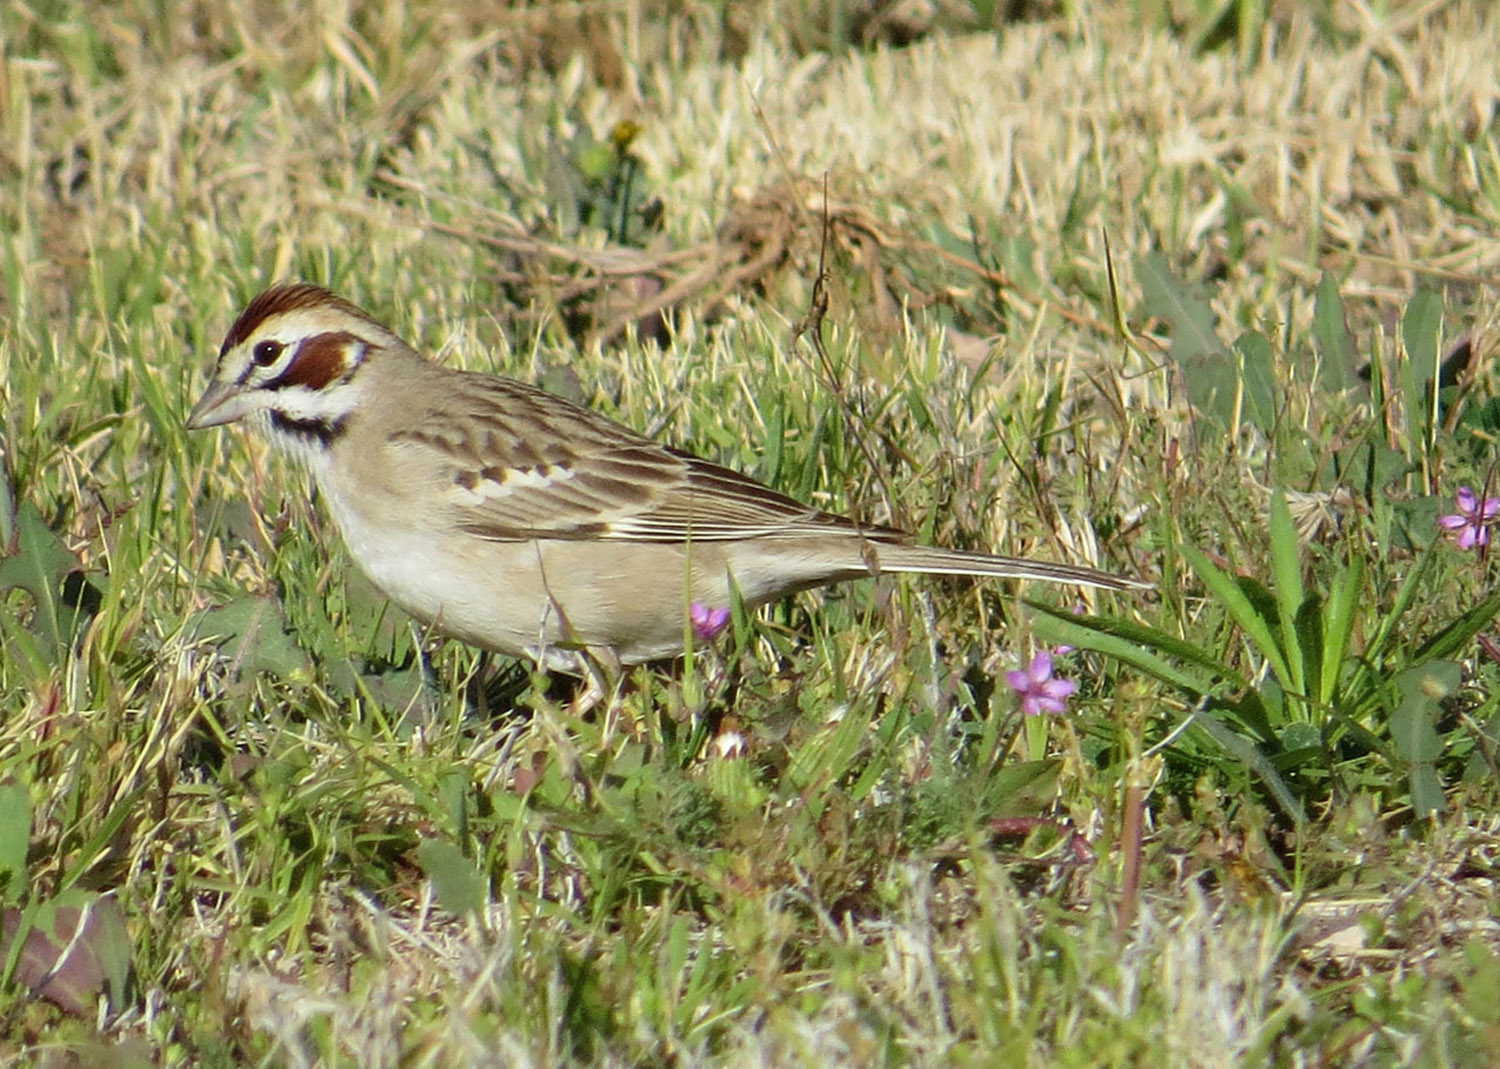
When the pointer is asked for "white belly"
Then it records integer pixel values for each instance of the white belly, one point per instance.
(536, 599)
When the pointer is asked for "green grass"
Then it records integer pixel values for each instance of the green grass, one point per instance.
(1112, 283)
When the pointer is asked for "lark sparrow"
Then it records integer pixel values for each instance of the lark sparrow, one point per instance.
(518, 522)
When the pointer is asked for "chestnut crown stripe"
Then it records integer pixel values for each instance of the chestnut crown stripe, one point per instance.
(283, 299)
(318, 361)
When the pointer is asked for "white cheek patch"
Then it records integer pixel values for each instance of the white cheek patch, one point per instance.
(299, 402)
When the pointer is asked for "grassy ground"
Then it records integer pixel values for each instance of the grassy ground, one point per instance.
(1198, 291)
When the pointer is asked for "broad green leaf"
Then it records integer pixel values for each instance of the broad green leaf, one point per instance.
(1371, 467)
(70, 950)
(1254, 709)
(1479, 419)
(1258, 375)
(460, 887)
(1426, 790)
(1022, 788)
(253, 634)
(1309, 642)
(1335, 343)
(1273, 698)
(1413, 728)
(15, 839)
(453, 792)
(1421, 337)
(38, 561)
(24, 647)
(1421, 330)
(1208, 368)
(1339, 621)
(403, 691)
(1413, 724)
(1299, 736)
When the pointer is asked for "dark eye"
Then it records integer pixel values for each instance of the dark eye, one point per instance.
(266, 353)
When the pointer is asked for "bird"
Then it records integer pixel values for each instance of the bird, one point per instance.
(520, 523)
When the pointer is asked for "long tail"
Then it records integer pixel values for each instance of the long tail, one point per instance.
(931, 560)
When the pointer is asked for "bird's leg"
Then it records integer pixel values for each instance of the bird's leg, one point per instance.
(604, 676)
(422, 710)
(478, 688)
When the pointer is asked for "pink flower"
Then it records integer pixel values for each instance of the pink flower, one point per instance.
(1471, 523)
(707, 622)
(1038, 690)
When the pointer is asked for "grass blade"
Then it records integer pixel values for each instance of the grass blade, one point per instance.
(1239, 607)
(1286, 568)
